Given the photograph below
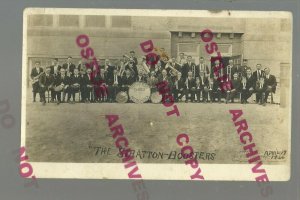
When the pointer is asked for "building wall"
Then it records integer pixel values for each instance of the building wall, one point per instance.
(264, 41)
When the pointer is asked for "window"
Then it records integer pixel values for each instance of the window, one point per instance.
(94, 21)
(121, 21)
(69, 20)
(40, 20)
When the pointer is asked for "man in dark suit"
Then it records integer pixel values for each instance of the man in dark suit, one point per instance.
(214, 89)
(229, 70)
(35, 74)
(69, 66)
(260, 89)
(231, 93)
(141, 77)
(244, 67)
(46, 82)
(61, 84)
(217, 69)
(55, 67)
(190, 87)
(202, 67)
(114, 85)
(133, 58)
(271, 83)
(257, 75)
(178, 87)
(189, 66)
(75, 82)
(258, 72)
(201, 84)
(127, 80)
(236, 69)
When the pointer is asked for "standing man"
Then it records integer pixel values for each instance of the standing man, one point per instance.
(69, 66)
(133, 58)
(35, 74)
(229, 70)
(244, 67)
(55, 67)
(46, 82)
(217, 69)
(181, 59)
(258, 73)
(189, 66)
(271, 84)
(203, 67)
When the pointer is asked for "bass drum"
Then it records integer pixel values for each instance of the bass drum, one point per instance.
(139, 92)
(156, 97)
(122, 97)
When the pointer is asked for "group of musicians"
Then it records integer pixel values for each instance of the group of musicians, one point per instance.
(198, 83)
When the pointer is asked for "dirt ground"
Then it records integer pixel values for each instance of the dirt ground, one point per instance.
(72, 132)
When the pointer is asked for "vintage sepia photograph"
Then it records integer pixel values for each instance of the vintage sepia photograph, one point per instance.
(107, 90)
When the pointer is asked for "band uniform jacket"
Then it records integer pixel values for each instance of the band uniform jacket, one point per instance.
(236, 84)
(127, 80)
(75, 79)
(271, 81)
(46, 80)
(69, 66)
(190, 83)
(189, 66)
(250, 82)
(202, 67)
(152, 81)
(203, 82)
(259, 87)
(257, 75)
(62, 80)
(52, 69)
(179, 84)
(236, 69)
(35, 73)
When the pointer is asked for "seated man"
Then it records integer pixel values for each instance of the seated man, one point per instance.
(46, 83)
(231, 93)
(214, 89)
(190, 87)
(127, 80)
(152, 81)
(75, 82)
(260, 89)
(271, 84)
(141, 77)
(101, 85)
(178, 87)
(114, 86)
(202, 81)
(61, 84)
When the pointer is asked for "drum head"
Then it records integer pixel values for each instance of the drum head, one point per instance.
(139, 92)
(122, 97)
(156, 97)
